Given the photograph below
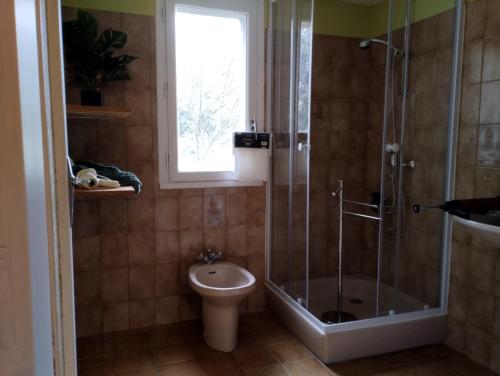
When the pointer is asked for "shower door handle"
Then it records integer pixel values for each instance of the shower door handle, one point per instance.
(303, 146)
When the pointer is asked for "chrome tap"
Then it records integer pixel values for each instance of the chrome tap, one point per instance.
(209, 257)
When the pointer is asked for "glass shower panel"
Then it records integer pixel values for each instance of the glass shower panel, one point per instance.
(302, 41)
(290, 64)
(413, 251)
(281, 68)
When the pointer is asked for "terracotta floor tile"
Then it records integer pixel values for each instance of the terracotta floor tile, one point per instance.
(140, 372)
(173, 354)
(309, 367)
(249, 356)
(265, 348)
(132, 362)
(290, 351)
(94, 347)
(95, 367)
(189, 368)
(221, 365)
(275, 370)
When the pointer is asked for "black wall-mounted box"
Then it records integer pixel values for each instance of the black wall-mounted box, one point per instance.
(252, 140)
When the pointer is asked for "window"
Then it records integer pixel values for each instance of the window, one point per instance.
(210, 85)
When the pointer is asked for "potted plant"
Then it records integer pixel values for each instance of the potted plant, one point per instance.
(90, 58)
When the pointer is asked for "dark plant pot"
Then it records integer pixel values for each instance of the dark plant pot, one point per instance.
(91, 98)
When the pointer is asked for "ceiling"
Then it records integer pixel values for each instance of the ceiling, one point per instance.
(363, 2)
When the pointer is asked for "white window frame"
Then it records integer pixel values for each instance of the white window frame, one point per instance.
(170, 178)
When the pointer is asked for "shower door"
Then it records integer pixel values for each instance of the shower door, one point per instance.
(289, 92)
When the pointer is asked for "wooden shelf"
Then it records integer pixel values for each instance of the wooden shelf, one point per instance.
(75, 111)
(94, 194)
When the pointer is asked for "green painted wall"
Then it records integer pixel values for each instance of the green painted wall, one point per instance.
(144, 7)
(332, 17)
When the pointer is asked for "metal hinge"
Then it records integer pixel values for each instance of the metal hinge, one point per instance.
(168, 159)
(165, 88)
(164, 14)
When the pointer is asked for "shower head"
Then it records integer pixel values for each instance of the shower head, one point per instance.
(364, 44)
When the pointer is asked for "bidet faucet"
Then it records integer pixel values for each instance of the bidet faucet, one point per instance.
(209, 257)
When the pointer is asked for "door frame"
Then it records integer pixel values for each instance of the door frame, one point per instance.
(57, 188)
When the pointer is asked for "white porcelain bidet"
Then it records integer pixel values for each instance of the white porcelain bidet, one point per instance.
(222, 286)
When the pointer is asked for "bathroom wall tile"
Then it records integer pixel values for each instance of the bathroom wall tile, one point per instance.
(455, 337)
(115, 287)
(459, 262)
(141, 283)
(145, 173)
(491, 55)
(191, 243)
(256, 208)
(473, 62)
(495, 360)
(87, 253)
(478, 345)
(82, 140)
(141, 248)
(190, 307)
(214, 237)
(114, 249)
(237, 241)
(167, 280)
(458, 301)
(340, 114)
(340, 84)
(469, 109)
(191, 214)
(443, 58)
(115, 317)
(88, 289)
(111, 145)
(214, 209)
(488, 147)
(167, 247)
(487, 182)
(236, 208)
(320, 113)
(422, 72)
(140, 215)
(464, 182)
(138, 28)
(142, 313)
(475, 19)
(113, 216)
(490, 113)
(492, 18)
(89, 321)
(256, 240)
(482, 270)
(139, 144)
(166, 213)
(183, 282)
(140, 101)
(480, 311)
(86, 218)
(167, 310)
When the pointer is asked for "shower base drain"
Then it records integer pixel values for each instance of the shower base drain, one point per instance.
(332, 317)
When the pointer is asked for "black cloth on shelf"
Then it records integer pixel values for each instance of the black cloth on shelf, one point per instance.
(125, 178)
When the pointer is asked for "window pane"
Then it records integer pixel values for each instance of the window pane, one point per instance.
(211, 79)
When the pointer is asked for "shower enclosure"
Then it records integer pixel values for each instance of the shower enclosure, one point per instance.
(362, 105)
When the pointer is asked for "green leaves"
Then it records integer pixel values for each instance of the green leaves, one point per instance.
(90, 58)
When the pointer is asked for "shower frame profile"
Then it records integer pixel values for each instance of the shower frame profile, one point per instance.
(337, 342)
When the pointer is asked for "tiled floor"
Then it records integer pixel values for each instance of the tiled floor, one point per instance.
(265, 348)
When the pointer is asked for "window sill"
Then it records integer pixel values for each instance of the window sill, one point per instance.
(210, 184)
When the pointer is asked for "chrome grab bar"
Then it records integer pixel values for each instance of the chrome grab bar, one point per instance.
(362, 215)
(362, 204)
